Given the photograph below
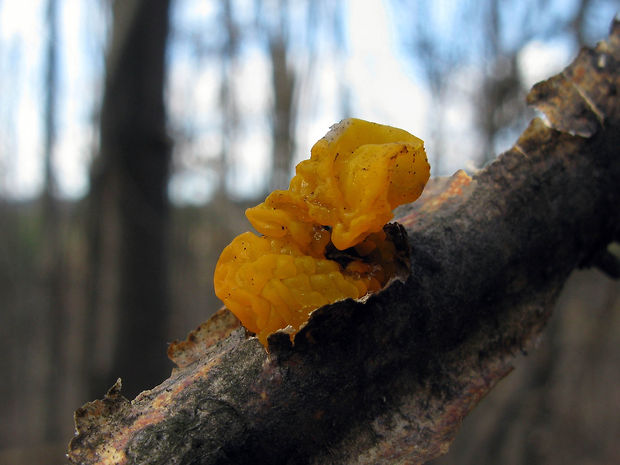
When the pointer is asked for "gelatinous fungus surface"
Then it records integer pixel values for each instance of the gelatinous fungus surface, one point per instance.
(322, 239)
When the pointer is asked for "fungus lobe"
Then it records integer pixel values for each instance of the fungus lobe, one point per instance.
(322, 239)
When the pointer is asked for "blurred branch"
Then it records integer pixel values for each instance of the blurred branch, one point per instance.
(390, 379)
(579, 22)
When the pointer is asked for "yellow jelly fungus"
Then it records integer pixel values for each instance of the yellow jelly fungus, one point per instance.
(339, 200)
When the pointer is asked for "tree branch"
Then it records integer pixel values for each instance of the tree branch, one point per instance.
(389, 379)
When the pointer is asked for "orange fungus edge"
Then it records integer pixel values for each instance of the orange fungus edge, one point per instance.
(338, 200)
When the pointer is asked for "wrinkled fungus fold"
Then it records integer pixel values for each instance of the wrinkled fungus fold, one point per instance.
(322, 239)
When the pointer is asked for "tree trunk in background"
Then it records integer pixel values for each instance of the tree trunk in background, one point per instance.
(229, 112)
(283, 123)
(284, 115)
(129, 202)
(53, 264)
(501, 93)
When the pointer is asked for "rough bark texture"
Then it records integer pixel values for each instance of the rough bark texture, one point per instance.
(389, 379)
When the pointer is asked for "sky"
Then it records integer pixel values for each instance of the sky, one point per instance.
(372, 65)
(22, 48)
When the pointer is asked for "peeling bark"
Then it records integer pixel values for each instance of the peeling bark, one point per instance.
(388, 380)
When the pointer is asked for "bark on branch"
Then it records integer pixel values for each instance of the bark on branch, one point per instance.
(389, 380)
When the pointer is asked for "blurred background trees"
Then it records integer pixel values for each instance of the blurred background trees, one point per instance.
(129, 191)
(133, 134)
